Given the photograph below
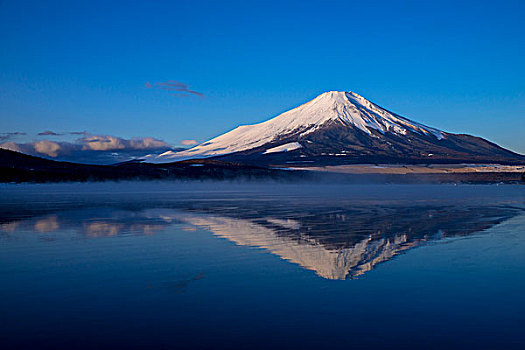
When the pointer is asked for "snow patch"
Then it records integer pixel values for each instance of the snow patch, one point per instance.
(284, 148)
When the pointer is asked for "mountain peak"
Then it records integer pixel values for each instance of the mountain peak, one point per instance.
(340, 96)
(351, 109)
(334, 96)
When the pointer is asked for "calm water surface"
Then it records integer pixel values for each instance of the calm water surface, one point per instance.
(168, 266)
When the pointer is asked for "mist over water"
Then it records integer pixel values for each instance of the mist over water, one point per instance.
(215, 265)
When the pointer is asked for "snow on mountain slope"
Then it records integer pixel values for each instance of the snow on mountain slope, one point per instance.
(347, 108)
(284, 148)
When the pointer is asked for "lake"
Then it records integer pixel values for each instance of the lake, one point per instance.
(239, 265)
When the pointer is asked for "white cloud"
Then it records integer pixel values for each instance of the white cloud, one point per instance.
(101, 143)
(49, 148)
(147, 143)
(188, 142)
(12, 146)
(108, 142)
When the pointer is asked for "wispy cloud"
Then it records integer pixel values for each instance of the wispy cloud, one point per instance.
(173, 87)
(188, 142)
(49, 133)
(4, 136)
(53, 133)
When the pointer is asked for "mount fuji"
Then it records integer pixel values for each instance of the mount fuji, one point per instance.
(343, 128)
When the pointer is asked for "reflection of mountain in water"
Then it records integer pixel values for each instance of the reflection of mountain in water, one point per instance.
(338, 243)
(302, 250)
(336, 240)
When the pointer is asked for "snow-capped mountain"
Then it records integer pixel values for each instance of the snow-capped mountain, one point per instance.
(343, 127)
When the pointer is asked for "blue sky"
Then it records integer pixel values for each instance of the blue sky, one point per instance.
(83, 66)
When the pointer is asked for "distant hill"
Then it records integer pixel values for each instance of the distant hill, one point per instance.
(18, 167)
